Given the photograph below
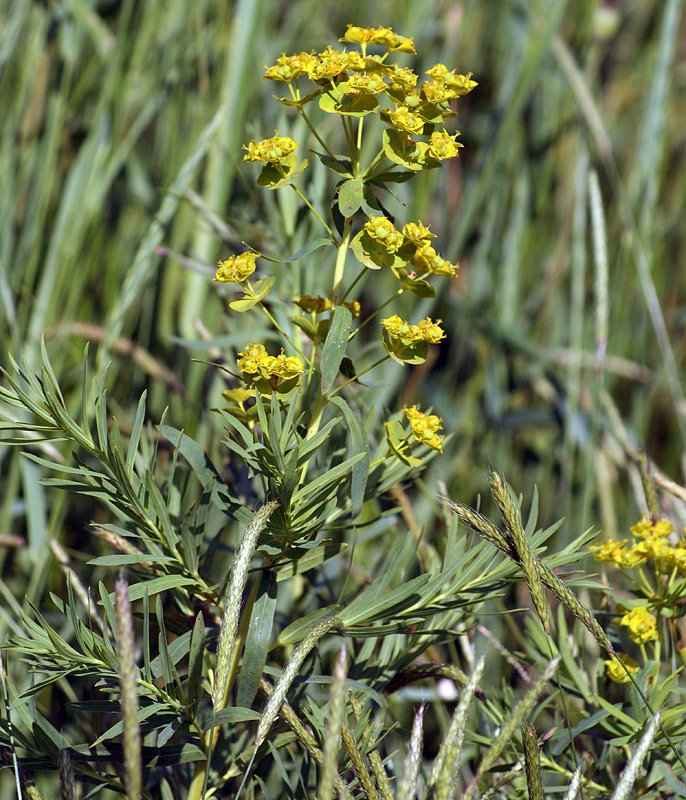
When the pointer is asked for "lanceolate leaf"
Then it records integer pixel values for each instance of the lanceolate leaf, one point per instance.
(334, 346)
(257, 641)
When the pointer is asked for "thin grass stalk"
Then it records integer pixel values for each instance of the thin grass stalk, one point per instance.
(527, 559)
(129, 689)
(648, 486)
(628, 777)
(532, 762)
(287, 677)
(445, 770)
(65, 565)
(483, 526)
(65, 771)
(232, 601)
(599, 231)
(304, 735)
(407, 788)
(520, 711)
(375, 761)
(332, 735)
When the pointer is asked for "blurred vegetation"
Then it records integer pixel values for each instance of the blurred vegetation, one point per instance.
(122, 181)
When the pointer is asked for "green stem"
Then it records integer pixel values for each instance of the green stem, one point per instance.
(352, 285)
(340, 259)
(378, 310)
(313, 131)
(313, 210)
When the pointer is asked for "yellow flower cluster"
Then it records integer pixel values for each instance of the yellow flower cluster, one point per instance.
(652, 542)
(236, 268)
(642, 625)
(382, 36)
(269, 373)
(425, 331)
(415, 110)
(615, 668)
(416, 238)
(273, 150)
(425, 428)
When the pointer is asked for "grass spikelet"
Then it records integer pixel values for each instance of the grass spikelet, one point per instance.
(332, 737)
(574, 784)
(357, 760)
(287, 677)
(483, 526)
(304, 735)
(445, 769)
(129, 689)
(232, 601)
(527, 559)
(520, 711)
(532, 762)
(375, 761)
(65, 771)
(628, 778)
(407, 788)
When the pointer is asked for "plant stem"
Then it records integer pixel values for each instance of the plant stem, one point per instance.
(340, 259)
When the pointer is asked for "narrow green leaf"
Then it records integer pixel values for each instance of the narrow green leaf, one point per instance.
(359, 443)
(257, 641)
(232, 715)
(136, 433)
(311, 558)
(315, 244)
(334, 346)
(195, 660)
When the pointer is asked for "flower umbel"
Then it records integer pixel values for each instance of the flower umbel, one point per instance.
(641, 624)
(269, 373)
(425, 428)
(615, 668)
(237, 268)
(273, 150)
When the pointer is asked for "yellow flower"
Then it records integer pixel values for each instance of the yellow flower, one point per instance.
(425, 427)
(381, 230)
(642, 528)
(459, 84)
(236, 268)
(367, 84)
(328, 65)
(611, 552)
(676, 556)
(382, 36)
(427, 258)
(425, 331)
(616, 672)
(405, 120)
(314, 305)
(641, 624)
(443, 145)
(275, 149)
(269, 373)
(437, 92)
(403, 78)
(417, 233)
(663, 528)
(431, 331)
(289, 67)
(634, 556)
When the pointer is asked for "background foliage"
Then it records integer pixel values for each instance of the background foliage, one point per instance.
(122, 180)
